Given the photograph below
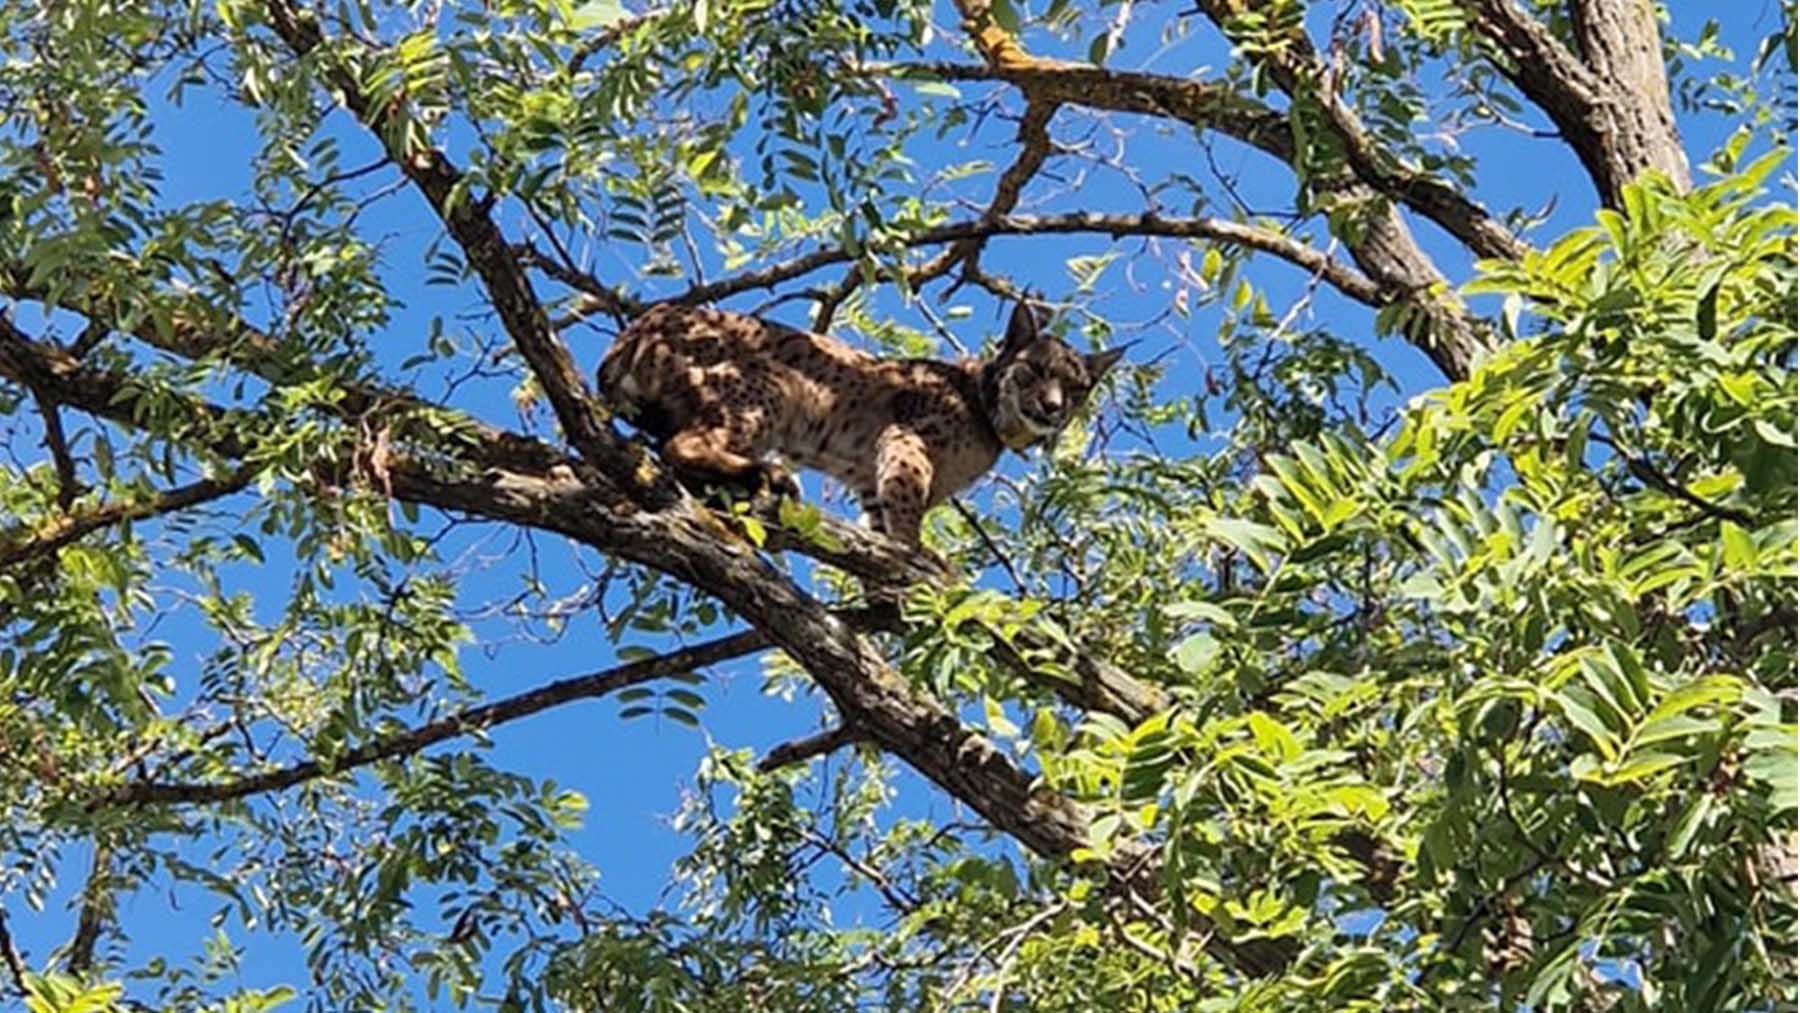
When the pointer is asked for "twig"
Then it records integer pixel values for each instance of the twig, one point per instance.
(801, 749)
(1649, 475)
(607, 36)
(68, 486)
(1018, 931)
(999, 557)
(896, 897)
(9, 954)
(1344, 277)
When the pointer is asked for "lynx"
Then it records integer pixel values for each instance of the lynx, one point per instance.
(719, 392)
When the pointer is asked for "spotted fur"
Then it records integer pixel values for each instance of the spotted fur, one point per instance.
(721, 392)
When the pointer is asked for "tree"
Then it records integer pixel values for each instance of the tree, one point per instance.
(1303, 681)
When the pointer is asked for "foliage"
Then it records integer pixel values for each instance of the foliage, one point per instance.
(1455, 692)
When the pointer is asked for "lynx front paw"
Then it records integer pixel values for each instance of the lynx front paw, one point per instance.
(776, 482)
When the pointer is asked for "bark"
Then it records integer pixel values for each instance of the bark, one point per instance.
(1609, 98)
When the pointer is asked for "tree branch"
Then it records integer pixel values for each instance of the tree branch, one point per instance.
(20, 544)
(1611, 104)
(464, 722)
(1648, 474)
(191, 330)
(695, 546)
(96, 908)
(1203, 105)
(609, 35)
(1344, 277)
(508, 287)
(1034, 150)
(68, 486)
(9, 955)
(803, 749)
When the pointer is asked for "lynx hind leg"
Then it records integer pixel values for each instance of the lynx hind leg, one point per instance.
(711, 456)
(725, 448)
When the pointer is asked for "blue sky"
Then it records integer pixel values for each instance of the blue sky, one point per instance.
(632, 771)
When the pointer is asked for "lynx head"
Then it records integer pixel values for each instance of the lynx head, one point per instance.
(1036, 383)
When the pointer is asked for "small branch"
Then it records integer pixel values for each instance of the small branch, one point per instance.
(1006, 937)
(1034, 150)
(465, 722)
(803, 749)
(1344, 277)
(18, 544)
(96, 908)
(9, 955)
(1023, 932)
(595, 297)
(999, 557)
(89, 338)
(1648, 474)
(896, 898)
(607, 36)
(68, 486)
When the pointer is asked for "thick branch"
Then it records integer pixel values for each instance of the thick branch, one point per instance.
(19, 545)
(1204, 105)
(1299, 70)
(508, 287)
(996, 45)
(464, 722)
(1610, 103)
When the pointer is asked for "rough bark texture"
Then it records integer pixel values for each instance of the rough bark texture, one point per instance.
(1609, 99)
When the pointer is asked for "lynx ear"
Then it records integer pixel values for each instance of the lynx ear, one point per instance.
(1021, 329)
(1099, 362)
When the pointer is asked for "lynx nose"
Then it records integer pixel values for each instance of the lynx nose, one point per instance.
(1053, 399)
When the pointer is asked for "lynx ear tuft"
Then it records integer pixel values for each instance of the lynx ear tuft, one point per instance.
(1022, 328)
(1099, 362)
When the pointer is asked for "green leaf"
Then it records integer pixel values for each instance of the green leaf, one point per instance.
(1693, 817)
(1006, 16)
(1706, 317)
(1258, 542)
(1273, 737)
(1197, 654)
(679, 716)
(1638, 767)
(1740, 550)
(1582, 716)
(938, 89)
